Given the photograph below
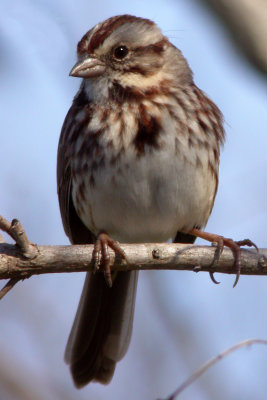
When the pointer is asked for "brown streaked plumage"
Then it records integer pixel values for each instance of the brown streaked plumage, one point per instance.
(138, 161)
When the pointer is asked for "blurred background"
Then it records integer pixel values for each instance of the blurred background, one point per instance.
(182, 319)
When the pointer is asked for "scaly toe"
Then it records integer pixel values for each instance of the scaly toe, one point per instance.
(101, 255)
(247, 242)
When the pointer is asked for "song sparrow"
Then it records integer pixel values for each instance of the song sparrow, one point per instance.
(138, 161)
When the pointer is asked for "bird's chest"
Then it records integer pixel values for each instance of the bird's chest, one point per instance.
(138, 183)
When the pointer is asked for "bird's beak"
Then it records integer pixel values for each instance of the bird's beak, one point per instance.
(90, 67)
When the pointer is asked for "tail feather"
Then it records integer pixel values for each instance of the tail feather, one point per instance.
(102, 328)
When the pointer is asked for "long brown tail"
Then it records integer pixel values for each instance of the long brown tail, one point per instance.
(102, 327)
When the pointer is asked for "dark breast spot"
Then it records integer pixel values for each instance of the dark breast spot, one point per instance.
(147, 136)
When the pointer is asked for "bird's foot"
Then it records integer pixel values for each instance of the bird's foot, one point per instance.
(101, 257)
(221, 242)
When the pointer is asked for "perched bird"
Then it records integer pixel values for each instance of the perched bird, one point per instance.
(138, 161)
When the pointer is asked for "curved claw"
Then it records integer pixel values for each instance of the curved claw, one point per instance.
(247, 242)
(213, 279)
(221, 242)
(236, 279)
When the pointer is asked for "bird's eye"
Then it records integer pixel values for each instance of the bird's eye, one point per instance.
(121, 52)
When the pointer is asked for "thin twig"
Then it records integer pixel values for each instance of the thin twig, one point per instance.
(6, 227)
(26, 248)
(20, 236)
(10, 284)
(210, 363)
(16, 231)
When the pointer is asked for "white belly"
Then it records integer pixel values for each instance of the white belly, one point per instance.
(147, 199)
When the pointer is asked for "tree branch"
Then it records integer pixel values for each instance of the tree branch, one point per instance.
(24, 259)
(77, 258)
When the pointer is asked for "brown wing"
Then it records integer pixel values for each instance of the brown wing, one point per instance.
(73, 226)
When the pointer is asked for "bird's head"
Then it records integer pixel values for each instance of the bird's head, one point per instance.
(130, 52)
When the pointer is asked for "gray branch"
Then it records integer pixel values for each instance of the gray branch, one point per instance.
(24, 259)
(149, 256)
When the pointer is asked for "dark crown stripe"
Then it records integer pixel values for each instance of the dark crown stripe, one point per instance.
(109, 26)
